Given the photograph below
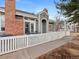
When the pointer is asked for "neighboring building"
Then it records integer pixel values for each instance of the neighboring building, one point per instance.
(28, 23)
(72, 27)
(59, 25)
(51, 25)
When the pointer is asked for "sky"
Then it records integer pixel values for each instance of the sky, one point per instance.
(35, 6)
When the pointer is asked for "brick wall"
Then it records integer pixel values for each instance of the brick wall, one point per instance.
(19, 29)
(12, 26)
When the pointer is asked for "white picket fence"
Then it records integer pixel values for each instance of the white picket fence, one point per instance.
(13, 43)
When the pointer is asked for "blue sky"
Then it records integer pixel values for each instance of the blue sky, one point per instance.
(35, 6)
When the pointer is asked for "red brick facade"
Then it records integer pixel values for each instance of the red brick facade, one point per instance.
(13, 26)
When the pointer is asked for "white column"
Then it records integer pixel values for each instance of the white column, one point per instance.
(47, 26)
(39, 25)
(35, 26)
(23, 25)
(30, 27)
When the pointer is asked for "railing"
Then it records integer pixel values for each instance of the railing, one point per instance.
(13, 43)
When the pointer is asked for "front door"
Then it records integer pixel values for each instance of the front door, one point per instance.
(44, 26)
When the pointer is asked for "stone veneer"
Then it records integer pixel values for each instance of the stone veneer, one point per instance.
(12, 26)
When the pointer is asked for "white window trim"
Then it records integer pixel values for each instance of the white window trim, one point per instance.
(30, 21)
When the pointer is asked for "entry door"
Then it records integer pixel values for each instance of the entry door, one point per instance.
(27, 27)
(44, 26)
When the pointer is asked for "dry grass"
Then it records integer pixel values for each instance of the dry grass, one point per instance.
(75, 34)
(67, 51)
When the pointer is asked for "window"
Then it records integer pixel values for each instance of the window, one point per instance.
(31, 19)
(27, 29)
(26, 18)
(2, 13)
(2, 22)
(19, 17)
(2, 28)
(36, 26)
(32, 28)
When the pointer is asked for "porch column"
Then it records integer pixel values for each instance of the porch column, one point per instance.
(39, 25)
(24, 25)
(35, 25)
(47, 25)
